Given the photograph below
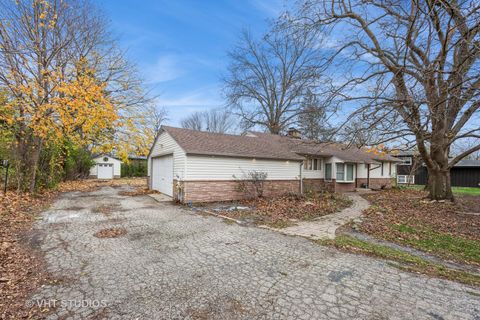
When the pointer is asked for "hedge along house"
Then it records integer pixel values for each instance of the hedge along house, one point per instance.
(195, 166)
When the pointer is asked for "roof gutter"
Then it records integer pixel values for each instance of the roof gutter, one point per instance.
(241, 156)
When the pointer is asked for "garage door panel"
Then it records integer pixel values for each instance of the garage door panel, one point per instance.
(105, 171)
(162, 174)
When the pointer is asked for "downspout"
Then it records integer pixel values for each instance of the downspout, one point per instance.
(356, 169)
(301, 177)
(368, 176)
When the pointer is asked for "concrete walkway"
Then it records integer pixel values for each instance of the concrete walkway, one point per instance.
(325, 227)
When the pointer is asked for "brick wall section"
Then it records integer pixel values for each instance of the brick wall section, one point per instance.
(331, 186)
(376, 183)
(318, 185)
(206, 191)
(344, 187)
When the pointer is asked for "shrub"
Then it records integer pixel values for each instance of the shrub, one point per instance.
(252, 183)
(135, 168)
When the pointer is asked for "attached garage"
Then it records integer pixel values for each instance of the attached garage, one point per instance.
(105, 168)
(194, 166)
(162, 174)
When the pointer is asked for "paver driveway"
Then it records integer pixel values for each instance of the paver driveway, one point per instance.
(176, 264)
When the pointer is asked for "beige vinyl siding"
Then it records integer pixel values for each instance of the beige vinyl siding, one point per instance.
(315, 174)
(166, 145)
(223, 168)
(377, 172)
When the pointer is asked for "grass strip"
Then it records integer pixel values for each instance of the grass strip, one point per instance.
(408, 262)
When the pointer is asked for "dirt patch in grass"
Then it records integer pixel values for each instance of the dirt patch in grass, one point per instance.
(469, 204)
(283, 211)
(439, 228)
(111, 233)
(407, 261)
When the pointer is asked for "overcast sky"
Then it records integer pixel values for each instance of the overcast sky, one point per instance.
(180, 46)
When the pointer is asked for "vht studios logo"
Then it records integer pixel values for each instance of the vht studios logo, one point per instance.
(54, 303)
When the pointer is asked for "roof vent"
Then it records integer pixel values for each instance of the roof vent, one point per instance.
(294, 133)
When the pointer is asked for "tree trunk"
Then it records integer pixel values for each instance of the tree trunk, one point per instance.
(35, 157)
(439, 185)
(28, 151)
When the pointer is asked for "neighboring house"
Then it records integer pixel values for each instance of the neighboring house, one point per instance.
(194, 166)
(466, 173)
(106, 167)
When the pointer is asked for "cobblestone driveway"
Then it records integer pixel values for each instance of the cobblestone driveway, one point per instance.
(173, 264)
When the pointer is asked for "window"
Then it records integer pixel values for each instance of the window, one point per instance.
(328, 171)
(340, 171)
(403, 179)
(349, 172)
(406, 161)
(382, 169)
(345, 172)
(312, 164)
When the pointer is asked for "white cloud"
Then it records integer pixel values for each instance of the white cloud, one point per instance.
(166, 68)
(204, 97)
(272, 8)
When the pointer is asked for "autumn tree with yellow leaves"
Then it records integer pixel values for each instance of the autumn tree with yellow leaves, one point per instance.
(65, 81)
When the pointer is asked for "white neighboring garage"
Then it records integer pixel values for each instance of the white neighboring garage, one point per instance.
(105, 167)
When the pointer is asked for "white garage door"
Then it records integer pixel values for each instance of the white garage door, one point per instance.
(162, 174)
(105, 171)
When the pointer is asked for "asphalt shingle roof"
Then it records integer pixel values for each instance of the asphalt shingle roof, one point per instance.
(266, 146)
(207, 143)
(328, 149)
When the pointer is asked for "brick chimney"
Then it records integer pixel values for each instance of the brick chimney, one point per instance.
(294, 133)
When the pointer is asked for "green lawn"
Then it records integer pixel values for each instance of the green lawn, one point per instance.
(467, 191)
(443, 244)
(407, 261)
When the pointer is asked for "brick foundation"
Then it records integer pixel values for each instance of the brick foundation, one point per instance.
(376, 183)
(318, 185)
(225, 190)
(330, 186)
(344, 187)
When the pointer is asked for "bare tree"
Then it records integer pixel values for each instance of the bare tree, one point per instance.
(157, 117)
(214, 120)
(195, 121)
(466, 144)
(413, 61)
(313, 119)
(268, 79)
